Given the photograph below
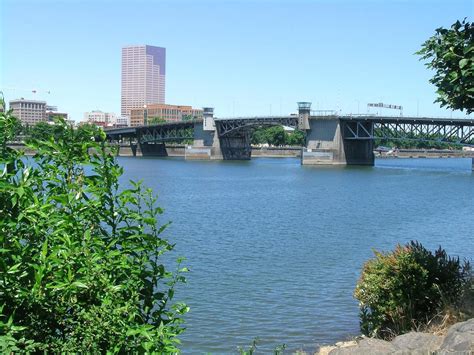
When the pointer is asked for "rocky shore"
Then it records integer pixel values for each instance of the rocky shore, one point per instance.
(459, 340)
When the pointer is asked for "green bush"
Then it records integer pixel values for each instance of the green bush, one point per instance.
(404, 289)
(80, 257)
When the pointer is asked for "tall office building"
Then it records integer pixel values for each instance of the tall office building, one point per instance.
(143, 77)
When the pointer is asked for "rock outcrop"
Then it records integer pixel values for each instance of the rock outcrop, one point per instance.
(458, 340)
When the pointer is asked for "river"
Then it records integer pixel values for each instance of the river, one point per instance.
(275, 248)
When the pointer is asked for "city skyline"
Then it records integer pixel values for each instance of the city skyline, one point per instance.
(239, 57)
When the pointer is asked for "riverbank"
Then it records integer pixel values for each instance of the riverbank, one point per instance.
(425, 153)
(459, 339)
(295, 152)
(268, 152)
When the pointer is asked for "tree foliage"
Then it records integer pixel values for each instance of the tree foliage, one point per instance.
(276, 136)
(156, 120)
(404, 289)
(451, 55)
(80, 257)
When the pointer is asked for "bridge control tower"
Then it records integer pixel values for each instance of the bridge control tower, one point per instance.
(208, 119)
(304, 111)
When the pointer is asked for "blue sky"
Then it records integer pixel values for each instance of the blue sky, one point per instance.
(241, 57)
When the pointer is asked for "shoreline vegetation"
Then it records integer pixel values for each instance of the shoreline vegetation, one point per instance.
(81, 258)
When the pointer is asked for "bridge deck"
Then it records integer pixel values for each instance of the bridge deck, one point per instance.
(410, 120)
(133, 130)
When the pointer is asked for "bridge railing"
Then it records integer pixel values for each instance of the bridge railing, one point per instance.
(466, 117)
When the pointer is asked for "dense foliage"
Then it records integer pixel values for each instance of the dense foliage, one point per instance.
(155, 120)
(80, 258)
(451, 55)
(404, 289)
(276, 136)
(418, 141)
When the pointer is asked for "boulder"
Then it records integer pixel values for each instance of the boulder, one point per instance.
(366, 346)
(459, 339)
(422, 343)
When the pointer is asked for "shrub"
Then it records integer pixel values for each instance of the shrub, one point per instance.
(80, 258)
(404, 289)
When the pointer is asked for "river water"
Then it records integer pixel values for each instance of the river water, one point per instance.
(275, 249)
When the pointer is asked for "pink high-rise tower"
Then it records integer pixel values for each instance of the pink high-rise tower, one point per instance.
(143, 77)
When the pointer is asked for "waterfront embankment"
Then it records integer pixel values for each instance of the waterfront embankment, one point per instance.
(426, 153)
(294, 152)
(257, 152)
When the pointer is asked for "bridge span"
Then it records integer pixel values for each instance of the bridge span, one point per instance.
(331, 139)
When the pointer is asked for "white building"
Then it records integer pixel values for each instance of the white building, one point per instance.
(100, 118)
(143, 77)
(122, 121)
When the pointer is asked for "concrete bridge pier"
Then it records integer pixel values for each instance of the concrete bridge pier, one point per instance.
(206, 145)
(325, 144)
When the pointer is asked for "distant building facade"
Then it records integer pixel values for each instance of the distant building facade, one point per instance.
(29, 111)
(143, 77)
(169, 113)
(122, 121)
(100, 118)
(52, 112)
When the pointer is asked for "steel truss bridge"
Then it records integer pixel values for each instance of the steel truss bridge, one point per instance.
(228, 126)
(164, 132)
(459, 131)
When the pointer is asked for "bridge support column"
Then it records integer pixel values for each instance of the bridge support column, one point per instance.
(153, 150)
(206, 145)
(135, 149)
(325, 145)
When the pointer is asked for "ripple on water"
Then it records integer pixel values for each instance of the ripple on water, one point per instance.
(275, 249)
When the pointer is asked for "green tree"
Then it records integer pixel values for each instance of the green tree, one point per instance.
(277, 136)
(86, 132)
(42, 131)
(451, 55)
(296, 138)
(259, 136)
(80, 256)
(156, 120)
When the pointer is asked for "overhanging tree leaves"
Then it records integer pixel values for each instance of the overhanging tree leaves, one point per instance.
(81, 266)
(451, 55)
